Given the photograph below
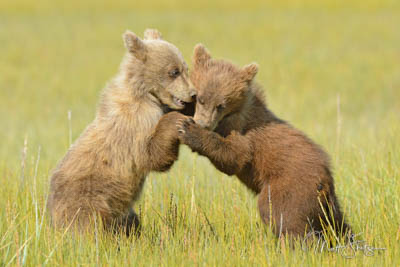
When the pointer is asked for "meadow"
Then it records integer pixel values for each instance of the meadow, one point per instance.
(331, 69)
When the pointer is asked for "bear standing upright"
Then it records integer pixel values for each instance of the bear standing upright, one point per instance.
(290, 173)
(104, 170)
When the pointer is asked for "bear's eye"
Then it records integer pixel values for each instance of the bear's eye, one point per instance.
(174, 73)
(220, 107)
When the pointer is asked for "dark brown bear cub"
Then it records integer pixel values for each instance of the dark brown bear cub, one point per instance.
(233, 128)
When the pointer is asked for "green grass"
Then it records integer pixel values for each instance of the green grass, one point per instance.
(332, 70)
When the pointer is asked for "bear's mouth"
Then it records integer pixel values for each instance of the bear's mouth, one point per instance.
(179, 102)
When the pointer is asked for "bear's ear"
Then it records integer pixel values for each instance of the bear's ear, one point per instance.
(200, 56)
(249, 71)
(152, 34)
(134, 45)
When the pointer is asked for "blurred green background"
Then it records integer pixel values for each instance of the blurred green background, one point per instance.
(331, 68)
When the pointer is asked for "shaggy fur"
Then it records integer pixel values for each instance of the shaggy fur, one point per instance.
(104, 170)
(289, 173)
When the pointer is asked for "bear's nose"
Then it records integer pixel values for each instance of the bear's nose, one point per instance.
(202, 123)
(193, 95)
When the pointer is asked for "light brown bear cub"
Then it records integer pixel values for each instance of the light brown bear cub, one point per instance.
(104, 170)
(289, 172)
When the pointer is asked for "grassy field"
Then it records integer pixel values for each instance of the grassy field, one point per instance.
(332, 70)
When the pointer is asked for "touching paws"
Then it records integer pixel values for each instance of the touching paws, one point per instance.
(184, 124)
(189, 133)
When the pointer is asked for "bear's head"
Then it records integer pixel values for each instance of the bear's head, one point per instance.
(156, 67)
(221, 86)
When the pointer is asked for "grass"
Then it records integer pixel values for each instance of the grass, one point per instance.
(330, 69)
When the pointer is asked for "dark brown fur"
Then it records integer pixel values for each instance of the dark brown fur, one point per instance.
(104, 170)
(289, 172)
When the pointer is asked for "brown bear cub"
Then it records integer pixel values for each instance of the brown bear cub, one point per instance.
(103, 172)
(233, 128)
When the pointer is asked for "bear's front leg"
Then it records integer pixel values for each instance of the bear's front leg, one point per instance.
(190, 134)
(163, 145)
(229, 154)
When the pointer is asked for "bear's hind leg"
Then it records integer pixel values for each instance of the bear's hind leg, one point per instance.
(128, 224)
(132, 223)
(280, 210)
